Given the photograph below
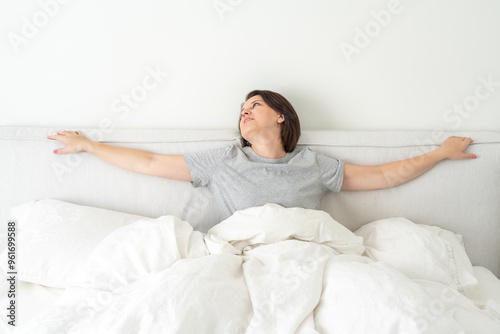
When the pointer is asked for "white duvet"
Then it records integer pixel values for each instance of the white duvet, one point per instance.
(271, 270)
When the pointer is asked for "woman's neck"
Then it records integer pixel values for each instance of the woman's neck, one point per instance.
(269, 151)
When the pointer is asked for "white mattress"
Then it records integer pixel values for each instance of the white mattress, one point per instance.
(33, 297)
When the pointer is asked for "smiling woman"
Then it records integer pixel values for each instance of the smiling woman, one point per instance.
(267, 167)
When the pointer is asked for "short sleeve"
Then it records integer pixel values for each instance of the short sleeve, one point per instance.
(202, 165)
(331, 172)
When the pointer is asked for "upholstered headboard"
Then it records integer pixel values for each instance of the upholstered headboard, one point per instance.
(462, 196)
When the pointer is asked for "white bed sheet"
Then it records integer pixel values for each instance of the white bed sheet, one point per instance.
(31, 300)
(488, 288)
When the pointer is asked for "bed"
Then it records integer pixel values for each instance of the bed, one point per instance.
(103, 250)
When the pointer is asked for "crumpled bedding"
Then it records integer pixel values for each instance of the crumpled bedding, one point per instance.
(263, 270)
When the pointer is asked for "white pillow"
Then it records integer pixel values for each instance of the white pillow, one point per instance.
(55, 238)
(418, 251)
(460, 264)
(272, 223)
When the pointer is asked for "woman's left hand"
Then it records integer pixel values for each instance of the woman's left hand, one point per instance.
(454, 147)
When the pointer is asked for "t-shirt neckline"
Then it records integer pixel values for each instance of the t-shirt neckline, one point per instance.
(254, 157)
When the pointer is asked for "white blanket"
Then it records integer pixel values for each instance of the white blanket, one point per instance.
(263, 270)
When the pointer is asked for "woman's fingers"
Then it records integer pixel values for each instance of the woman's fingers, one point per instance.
(72, 139)
(455, 146)
(62, 150)
(59, 135)
(65, 133)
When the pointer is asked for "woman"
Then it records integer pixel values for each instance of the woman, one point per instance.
(267, 168)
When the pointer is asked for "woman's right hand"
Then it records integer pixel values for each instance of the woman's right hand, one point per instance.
(75, 141)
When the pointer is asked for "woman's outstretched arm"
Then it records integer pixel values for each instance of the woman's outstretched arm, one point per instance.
(169, 166)
(396, 173)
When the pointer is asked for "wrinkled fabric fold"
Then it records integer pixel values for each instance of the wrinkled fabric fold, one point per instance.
(263, 270)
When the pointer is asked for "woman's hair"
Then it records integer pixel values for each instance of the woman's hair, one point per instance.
(290, 127)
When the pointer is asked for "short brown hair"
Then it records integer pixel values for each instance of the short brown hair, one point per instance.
(290, 128)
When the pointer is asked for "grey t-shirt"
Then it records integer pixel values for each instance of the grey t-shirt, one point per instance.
(239, 178)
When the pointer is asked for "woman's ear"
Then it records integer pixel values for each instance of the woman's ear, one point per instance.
(281, 118)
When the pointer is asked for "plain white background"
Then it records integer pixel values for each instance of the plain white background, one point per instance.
(344, 65)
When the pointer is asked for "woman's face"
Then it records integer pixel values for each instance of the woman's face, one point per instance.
(258, 120)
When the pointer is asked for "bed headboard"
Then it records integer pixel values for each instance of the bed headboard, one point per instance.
(462, 196)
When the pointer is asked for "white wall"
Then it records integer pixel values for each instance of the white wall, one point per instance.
(76, 63)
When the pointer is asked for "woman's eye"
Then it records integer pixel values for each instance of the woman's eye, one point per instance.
(256, 103)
